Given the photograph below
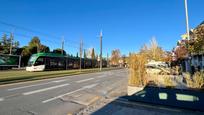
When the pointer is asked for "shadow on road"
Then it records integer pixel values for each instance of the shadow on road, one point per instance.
(187, 100)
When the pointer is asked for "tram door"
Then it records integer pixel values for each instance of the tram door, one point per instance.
(47, 63)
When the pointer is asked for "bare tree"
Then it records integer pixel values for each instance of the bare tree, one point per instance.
(152, 51)
(115, 56)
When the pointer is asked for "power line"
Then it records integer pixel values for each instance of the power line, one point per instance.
(47, 40)
(27, 36)
(18, 34)
(25, 29)
(69, 42)
(33, 31)
(22, 35)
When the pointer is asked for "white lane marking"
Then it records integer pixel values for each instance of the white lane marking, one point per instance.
(85, 87)
(84, 80)
(1, 99)
(97, 80)
(51, 99)
(101, 76)
(90, 86)
(45, 89)
(57, 81)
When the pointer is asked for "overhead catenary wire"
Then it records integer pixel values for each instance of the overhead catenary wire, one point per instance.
(67, 42)
(23, 35)
(34, 31)
(26, 36)
(29, 36)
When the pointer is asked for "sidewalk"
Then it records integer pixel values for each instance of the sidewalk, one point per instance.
(121, 107)
(152, 101)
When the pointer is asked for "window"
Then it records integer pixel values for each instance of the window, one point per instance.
(141, 93)
(163, 96)
(40, 61)
(185, 97)
(31, 60)
(53, 62)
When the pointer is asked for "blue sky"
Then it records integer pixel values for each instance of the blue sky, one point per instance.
(126, 24)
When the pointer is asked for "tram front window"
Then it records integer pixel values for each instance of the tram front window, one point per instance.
(31, 60)
(40, 61)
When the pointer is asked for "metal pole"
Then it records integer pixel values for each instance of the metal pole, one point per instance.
(100, 51)
(11, 38)
(19, 65)
(62, 46)
(107, 60)
(66, 61)
(81, 45)
(187, 28)
(187, 24)
(38, 48)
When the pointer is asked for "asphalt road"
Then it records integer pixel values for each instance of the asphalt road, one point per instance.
(58, 96)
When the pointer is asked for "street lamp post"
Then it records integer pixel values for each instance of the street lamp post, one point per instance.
(187, 30)
(187, 24)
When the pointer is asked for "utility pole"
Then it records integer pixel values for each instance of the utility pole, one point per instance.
(11, 40)
(84, 58)
(38, 49)
(107, 60)
(62, 51)
(80, 50)
(19, 62)
(101, 50)
(187, 24)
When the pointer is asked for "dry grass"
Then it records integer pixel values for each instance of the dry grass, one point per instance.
(153, 78)
(196, 81)
(168, 82)
(137, 70)
(160, 80)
